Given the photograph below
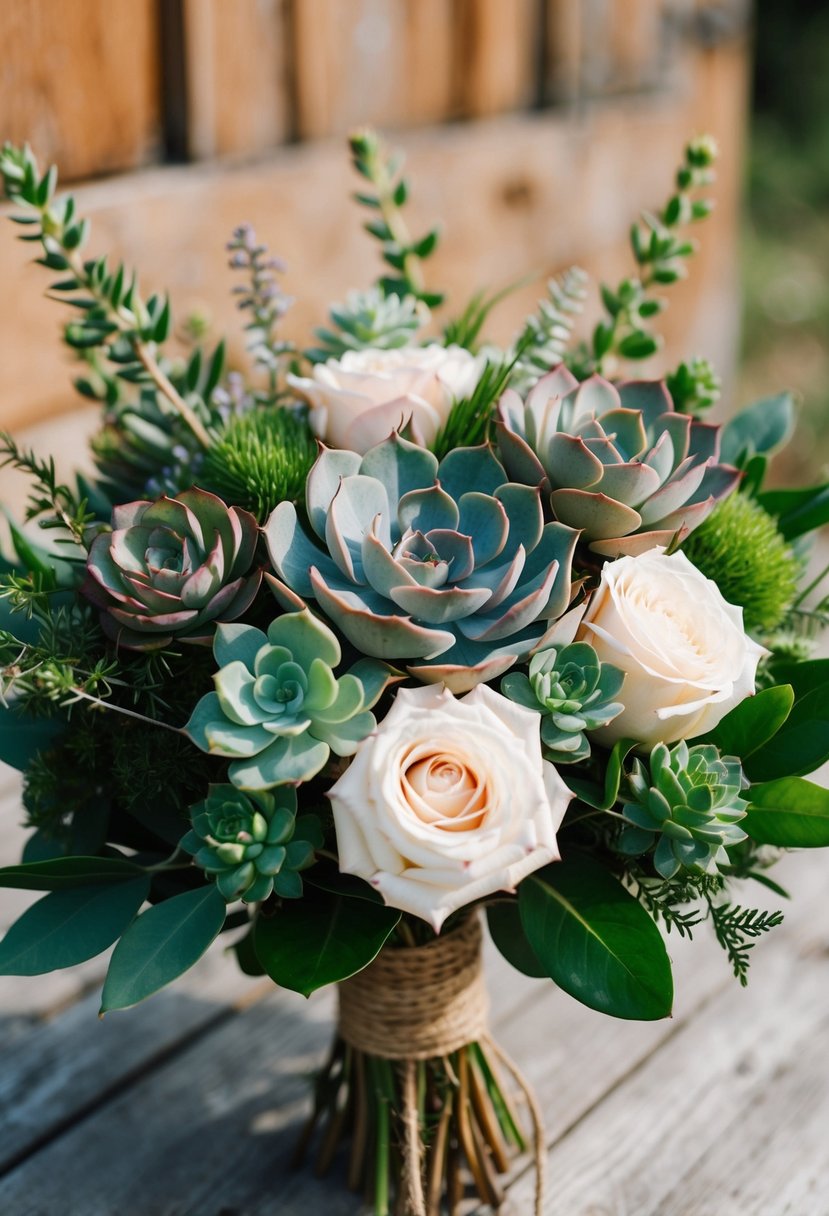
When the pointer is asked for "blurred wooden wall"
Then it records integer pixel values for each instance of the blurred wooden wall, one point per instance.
(534, 130)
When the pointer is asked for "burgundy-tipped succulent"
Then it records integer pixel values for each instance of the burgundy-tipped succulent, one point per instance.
(617, 460)
(172, 569)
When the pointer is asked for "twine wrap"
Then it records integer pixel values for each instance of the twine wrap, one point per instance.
(415, 1003)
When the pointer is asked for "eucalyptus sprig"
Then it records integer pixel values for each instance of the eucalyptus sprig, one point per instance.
(660, 252)
(400, 250)
(114, 317)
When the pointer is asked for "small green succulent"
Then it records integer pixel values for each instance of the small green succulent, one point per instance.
(688, 804)
(573, 691)
(252, 844)
(278, 709)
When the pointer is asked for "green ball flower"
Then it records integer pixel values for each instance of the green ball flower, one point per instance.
(688, 805)
(252, 845)
(573, 691)
(278, 709)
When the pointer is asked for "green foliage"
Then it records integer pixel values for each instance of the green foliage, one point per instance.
(740, 547)
(737, 929)
(161, 944)
(56, 503)
(694, 387)
(465, 329)
(66, 873)
(369, 319)
(595, 940)
(749, 726)
(573, 692)
(546, 335)
(790, 813)
(758, 430)
(660, 254)
(259, 459)
(470, 419)
(400, 251)
(322, 940)
(507, 932)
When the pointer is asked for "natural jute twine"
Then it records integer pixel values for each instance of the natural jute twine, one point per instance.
(419, 1003)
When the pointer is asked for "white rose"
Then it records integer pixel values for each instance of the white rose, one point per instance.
(358, 400)
(686, 656)
(449, 800)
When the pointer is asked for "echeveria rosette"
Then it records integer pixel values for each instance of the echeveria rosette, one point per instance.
(170, 569)
(687, 802)
(447, 566)
(573, 691)
(617, 460)
(278, 710)
(253, 844)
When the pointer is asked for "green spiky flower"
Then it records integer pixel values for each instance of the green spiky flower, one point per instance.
(278, 709)
(573, 691)
(253, 844)
(740, 548)
(687, 802)
(260, 459)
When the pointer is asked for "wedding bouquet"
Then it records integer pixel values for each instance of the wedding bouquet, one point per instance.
(333, 655)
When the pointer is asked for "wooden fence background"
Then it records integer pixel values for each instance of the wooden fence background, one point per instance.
(534, 130)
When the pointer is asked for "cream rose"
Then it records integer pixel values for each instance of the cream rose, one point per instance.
(447, 801)
(686, 656)
(358, 400)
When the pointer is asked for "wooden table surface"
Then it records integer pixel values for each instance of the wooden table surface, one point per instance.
(189, 1104)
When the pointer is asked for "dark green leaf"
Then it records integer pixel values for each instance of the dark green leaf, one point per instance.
(603, 800)
(60, 873)
(803, 677)
(638, 345)
(69, 927)
(161, 944)
(802, 743)
(798, 511)
(246, 955)
(22, 737)
(790, 813)
(506, 930)
(313, 942)
(596, 941)
(750, 725)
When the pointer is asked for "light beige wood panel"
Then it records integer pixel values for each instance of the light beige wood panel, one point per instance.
(80, 81)
(498, 55)
(380, 62)
(237, 73)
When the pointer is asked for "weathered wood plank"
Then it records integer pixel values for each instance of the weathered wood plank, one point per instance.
(498, 55)
(516, 195)
(385, 63)
(236, 76)
(81, 82)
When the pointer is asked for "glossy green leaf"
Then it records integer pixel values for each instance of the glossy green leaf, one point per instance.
(596, 941)
(592, 794)
(507, 932)
(802, 743)
(319, 941)
(790, 813)
(750, 725)
(61, 873)
(161, 944)
(798, 511)
(69, 927)
(804, 676)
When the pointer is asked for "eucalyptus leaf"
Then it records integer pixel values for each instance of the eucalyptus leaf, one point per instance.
(69, 927)
(306, 945)
(790, 813)
(763, 427)
(596, 941)
(161, 944)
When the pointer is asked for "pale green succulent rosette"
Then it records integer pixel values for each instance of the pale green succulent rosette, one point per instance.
(446, 565)
(617, 460)
(573, 691)
(688, 805)
(254, 844)
(278, 710)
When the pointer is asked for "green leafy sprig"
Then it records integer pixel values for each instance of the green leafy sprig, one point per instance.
(263, 298)
(737, 930)
(403, 253)
(58, 505)
(547, 333)
(114, 317)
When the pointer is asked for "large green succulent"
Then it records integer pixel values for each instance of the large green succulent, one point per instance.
(278, 709)
(617, 460)
(686, 802)
(252, 844)
(573, 691)
(448, 566)
(171, 569)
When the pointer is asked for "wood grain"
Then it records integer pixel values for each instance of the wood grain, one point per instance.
(498, 55)
(80, 82)
(236, 76)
